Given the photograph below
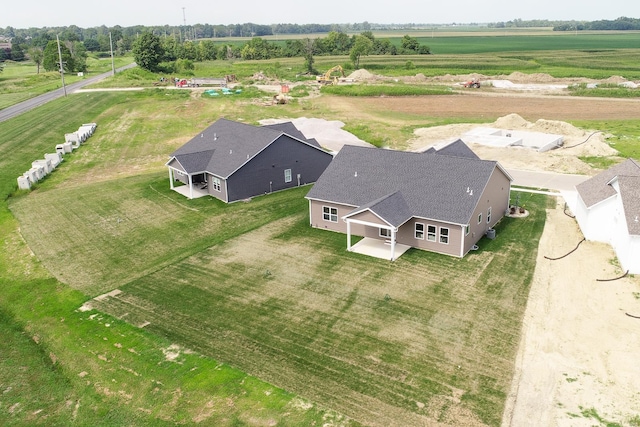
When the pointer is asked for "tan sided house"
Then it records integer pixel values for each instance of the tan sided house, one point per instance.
(235, 161)
(440, 200)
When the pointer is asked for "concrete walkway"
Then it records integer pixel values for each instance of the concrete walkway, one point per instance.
(548, 180)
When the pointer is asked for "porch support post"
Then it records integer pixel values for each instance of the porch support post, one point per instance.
(393, 244)
(190, 186)
(171, 178)
(349, 235)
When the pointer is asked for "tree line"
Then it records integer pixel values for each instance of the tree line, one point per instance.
(168, 54)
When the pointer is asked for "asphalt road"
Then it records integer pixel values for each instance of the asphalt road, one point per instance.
(32, 103)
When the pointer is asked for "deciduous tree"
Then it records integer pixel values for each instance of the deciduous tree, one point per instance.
(148, 52)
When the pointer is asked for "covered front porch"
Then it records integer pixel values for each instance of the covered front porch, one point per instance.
(379, 248)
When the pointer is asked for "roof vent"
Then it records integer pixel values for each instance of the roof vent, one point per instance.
(202, 135)
(247, 157)
(468, 189)
(471, 193)
(355, 174)
(230, 151)
(215, 136)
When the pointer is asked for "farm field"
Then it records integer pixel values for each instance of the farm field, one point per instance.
(189, 290)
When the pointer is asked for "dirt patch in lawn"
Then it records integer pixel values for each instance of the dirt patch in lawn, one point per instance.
(578, 351)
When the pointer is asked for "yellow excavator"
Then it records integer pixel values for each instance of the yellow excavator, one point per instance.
(328, 79)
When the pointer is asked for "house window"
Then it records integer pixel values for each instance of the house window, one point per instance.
(215, 182)
(444, 235)
(479, 217)
(330, 214)
(419, 234)
(385, 232)
(466, 230)
(489, 215)
(431, 233)
(287, 175)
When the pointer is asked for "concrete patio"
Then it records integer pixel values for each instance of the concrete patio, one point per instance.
(378, 248)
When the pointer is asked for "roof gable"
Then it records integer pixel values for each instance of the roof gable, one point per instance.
(457, 149)
(225, 146)
(431, 186)
(630, 196)
(392, 209)
(596, 189)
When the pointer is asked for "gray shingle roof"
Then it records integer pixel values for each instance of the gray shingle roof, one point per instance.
(392, 208)
(225, 146)
(596, 189)
(432, 186)
(630, 195)
(457, 148)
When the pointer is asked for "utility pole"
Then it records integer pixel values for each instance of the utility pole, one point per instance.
(64, 88)
(113, 65)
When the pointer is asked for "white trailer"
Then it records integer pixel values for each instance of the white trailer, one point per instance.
(24, 183)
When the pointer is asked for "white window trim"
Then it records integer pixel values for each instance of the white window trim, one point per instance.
(287, 175)
(415, 231)
(479, 217)
(448, 235)
(385, 230)
(216, 184)
(327, 216)
(489, 215)
(434, 234)
(466, 230)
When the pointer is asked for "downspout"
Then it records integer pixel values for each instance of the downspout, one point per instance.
(190, 186)
(349, 235)
(171, 178)
(462, 240)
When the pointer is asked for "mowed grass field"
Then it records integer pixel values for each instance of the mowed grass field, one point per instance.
(427, 338)
(341, 339)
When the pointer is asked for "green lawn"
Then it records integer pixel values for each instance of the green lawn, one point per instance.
(357, 337)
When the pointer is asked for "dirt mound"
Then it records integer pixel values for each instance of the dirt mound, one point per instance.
(511, 121)
(615, 80)
(531, 78)
(361, 74)
(577, 143)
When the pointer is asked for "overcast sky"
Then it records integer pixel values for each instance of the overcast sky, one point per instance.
(54, 13)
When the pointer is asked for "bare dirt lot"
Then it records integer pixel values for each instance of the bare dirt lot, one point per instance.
(578, 353)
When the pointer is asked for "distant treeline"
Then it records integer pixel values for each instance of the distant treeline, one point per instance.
(621, 24)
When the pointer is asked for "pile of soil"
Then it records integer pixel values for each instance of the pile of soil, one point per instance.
(361, 75)
(560, 160)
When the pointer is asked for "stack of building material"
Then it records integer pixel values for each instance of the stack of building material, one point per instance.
(42, 167)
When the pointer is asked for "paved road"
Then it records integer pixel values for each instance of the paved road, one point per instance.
(548, 180)
(32, 103)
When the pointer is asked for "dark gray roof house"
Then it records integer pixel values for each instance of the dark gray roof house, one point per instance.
(441, 200)
(608, 210)
(235, 161)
